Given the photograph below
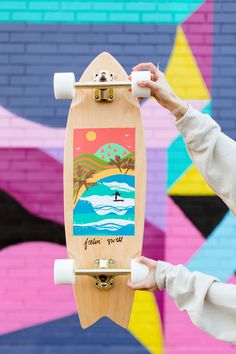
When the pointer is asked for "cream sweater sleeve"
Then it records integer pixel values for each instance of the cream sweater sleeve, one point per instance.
(213, 153)
(211, 305)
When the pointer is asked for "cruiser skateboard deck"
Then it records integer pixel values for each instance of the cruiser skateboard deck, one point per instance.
(104, 190)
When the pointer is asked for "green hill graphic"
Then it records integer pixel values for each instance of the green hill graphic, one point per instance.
(110, 150)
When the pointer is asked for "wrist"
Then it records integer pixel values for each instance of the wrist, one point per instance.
(178, 108)
(174, 103)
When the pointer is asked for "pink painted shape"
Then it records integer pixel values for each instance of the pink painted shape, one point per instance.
(154, 247)
(19, 132)
(182, 237)
(232, 280)
(159, 125)
(199, 31)
(181, 336)
(34, 179)
(28, 294)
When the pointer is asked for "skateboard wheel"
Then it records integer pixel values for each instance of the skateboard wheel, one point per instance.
(64, 272)
(63, 84)
(138, 91)
(138, 271)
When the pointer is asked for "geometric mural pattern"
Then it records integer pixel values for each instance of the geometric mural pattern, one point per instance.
(185, 221)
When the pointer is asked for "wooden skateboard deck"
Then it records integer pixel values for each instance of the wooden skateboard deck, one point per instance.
(104, 191)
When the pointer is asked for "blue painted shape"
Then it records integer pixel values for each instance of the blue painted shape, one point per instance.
(178, 160)
(218, 254)
(35, 51)
(224, 69)
(66, 336)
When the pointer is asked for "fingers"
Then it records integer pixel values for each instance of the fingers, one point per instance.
(137, 286)
(151, 67)
(150, 263)
(141, 286)
(151, 84)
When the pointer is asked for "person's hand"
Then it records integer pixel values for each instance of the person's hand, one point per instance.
(160, 88)
(149, 283)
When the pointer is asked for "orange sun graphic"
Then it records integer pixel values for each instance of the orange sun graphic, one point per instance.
(91, 135)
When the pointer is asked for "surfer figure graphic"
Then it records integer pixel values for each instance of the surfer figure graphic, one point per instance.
(117, 194)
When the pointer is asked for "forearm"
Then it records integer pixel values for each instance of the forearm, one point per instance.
(211, 305)
(212, 152)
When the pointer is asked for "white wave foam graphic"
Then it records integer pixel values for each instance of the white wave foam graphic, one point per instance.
(121, 187)
(108, 224)
(104, 205)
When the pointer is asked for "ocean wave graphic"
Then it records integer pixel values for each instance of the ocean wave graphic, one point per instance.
(121, 187)
(104, 205)
(108, 224)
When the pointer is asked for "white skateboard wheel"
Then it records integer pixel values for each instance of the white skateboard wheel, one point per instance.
(63, 84)
(138, 91)
(138, 271)
(64, 272)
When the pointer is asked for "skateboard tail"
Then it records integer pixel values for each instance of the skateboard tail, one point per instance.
(88, 323)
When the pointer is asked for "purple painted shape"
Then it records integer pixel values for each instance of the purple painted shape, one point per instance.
(198, 29)
(34, 179)
(55, 153)
(159, 129)
(156, 187)
(154, 247)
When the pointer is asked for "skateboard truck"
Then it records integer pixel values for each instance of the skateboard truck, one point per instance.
(103, 273)
(104, 94)
(104, 281)
(65, 85)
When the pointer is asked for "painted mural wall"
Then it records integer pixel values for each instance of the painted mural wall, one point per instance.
(185, 221)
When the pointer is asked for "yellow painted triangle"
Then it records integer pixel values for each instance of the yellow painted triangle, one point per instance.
(183, 73)
(145, 323)
(191, 183)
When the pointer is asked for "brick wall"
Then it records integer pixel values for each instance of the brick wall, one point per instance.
(194, 43)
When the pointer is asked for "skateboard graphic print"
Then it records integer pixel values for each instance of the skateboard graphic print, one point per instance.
(104, 182)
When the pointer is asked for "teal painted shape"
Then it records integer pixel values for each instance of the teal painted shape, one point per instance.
(178, 160)
(152, 11)
(208, 109)
(217, 256)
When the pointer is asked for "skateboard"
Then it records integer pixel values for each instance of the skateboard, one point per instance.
(104, 189)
